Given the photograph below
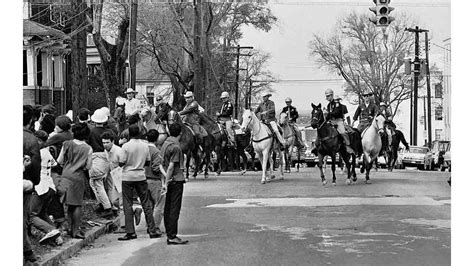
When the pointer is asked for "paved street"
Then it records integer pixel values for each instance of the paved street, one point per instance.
(403, 218)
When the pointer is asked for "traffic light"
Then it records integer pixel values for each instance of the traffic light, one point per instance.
(381, 11)
(407, 63)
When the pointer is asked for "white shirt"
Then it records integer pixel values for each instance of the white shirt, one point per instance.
(114, 156)
(46, 181)
(131, 106)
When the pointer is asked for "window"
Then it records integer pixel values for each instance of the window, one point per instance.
(438, 91)
(150, 96)
(438, 134)
(439, 113)
(25, 68)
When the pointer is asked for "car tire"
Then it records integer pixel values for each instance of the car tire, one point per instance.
(312, 164)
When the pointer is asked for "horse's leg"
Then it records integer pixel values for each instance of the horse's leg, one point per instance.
(272, 163)
(219, 160)
(394, 159)
(298, 163)
(321, 171)
(353, 165)
(346, 158)
(188, 159)
(333, 168)
(263, 156)
(282, 164)
(368, 167)
(241, 153)
(208, 160)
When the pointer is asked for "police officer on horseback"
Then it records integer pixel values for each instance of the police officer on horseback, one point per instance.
(190, 113)
(225, 117)
(389, 127)
(335, 115)
(292, 115)
(366, 111)
(266, 112)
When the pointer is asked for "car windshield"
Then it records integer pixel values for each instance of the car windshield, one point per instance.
(418, 150)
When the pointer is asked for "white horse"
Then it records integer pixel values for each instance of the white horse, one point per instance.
(263, 143)
(371, 145)
(290, 139)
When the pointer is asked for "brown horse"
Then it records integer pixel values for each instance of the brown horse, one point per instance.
(120, 118)
(167, 115)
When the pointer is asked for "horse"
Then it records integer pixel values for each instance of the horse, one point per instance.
(215, 139)
(188, 142)
(290, 138)
(262, 142)
(330, 143)
(371, 145)
(119, 116)
(390, 152)
(242, 141)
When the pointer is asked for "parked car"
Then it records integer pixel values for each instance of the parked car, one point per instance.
(309, 136)
(447, 161)
(434, 158)
(415, 156)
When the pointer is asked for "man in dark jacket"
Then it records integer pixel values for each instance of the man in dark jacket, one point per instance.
(292, 114)
(335, 114)
(30, 174)
(225, 117)
(367, 111)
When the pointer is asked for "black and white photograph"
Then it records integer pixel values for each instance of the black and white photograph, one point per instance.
(225, 132)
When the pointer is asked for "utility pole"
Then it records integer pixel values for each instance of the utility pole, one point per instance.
(197, 52)
(428, 88)
(416, 73)
(237, 69)
(133, 44)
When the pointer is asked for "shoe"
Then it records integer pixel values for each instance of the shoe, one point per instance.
(30, 257)
(138, 215)
(155, 235)
(79, 235)
(176, 241)
(127, 237)
(52, 235)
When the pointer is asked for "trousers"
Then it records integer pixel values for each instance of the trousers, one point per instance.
(39, 210)
(174, 197)
(141, 188)
(158, 200)
(26, 214)
(228, 126)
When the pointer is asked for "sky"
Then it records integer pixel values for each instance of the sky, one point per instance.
(288, 42)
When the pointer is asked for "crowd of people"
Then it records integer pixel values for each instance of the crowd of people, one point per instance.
(134, 170)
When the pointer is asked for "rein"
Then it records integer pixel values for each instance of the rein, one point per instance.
(258, 131)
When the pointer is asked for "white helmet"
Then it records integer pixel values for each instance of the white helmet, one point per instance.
(329, 91)
(224, 94)
(188, 94)
(288, 100)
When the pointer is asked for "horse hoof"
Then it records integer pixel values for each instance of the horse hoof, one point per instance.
(348, 182)
(334, 183)
(368, 182)
(281, 178)
(324, 182)
(263, 182)
(243, 172)
(206, 176)
(217, 174)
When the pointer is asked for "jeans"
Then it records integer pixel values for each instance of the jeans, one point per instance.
(158, 200)
(26, 214)
(39, 211)
(141, 188)
(174, 197)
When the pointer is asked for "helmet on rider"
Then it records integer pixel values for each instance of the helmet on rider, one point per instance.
(288, 100)
(383, 104)
(224, 94)
(329, 94)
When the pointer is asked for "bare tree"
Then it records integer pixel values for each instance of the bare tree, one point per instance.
(367, 58)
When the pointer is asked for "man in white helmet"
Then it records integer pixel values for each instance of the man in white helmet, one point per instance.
(335, 114)
(292, 114)
(225, 117)
(266, 112)
(190, 113)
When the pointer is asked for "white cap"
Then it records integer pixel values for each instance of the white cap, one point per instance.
(99, 116)
(130, 90)
(224, 94)
(188, 94)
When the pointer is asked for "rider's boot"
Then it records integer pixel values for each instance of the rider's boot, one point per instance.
(389, 134)
(347, 142)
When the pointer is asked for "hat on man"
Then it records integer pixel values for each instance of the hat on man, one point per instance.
(48, 109)
(188, 94)
(267, 94)
(106, 110)
(158, 97)
(99, 116)
(329, 92)
(130, 90)
(224, 94)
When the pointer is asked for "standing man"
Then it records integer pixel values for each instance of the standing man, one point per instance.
(173, 163)
(225, 117)
(136, 154)
(190, 113)
(132, 105)
(367, 111)
(266, 111)
(31, 176)
(335, 115)
(292, 114)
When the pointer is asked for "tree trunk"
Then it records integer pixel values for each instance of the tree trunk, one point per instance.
(78, 59)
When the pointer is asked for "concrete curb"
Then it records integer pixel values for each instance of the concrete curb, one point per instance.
(71, 247)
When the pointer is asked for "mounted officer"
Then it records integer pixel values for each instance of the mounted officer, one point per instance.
(225, 117)
(266, 112)
(190, 113)
(389, 127)
(292, 114)
(335, 115)
(366, 111)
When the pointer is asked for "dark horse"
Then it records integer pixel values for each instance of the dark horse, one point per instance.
(188, 143)
(215, 139)
(330, 143)
(390, 152)
(119, 116)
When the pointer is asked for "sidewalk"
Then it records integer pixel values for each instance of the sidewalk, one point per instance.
(71, 247)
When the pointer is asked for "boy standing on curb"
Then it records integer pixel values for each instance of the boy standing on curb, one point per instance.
(173, 162)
